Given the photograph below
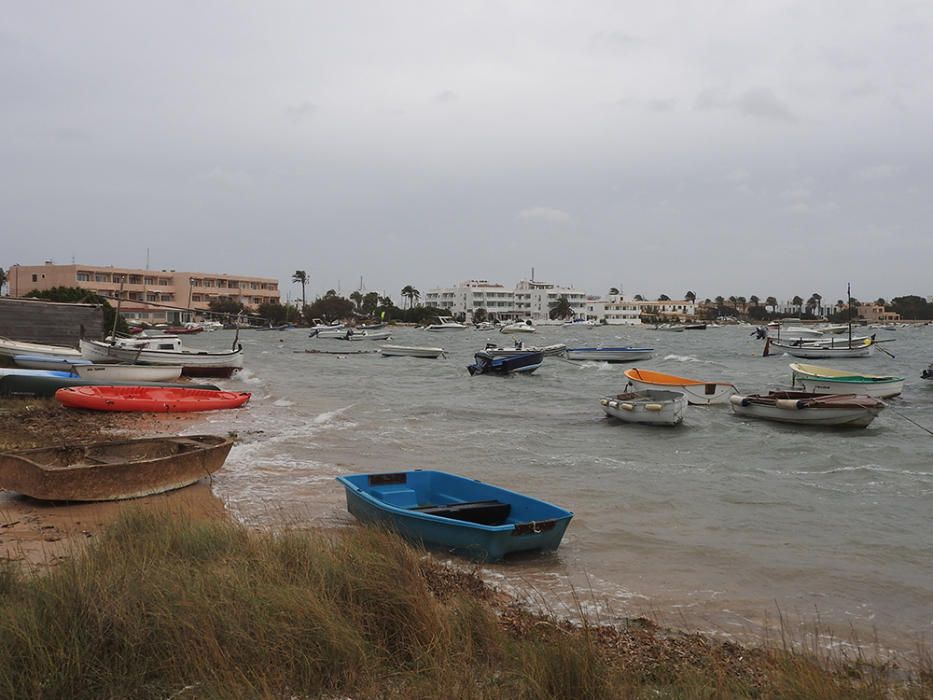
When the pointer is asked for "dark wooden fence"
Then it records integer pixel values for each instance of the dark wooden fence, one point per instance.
(38, 321)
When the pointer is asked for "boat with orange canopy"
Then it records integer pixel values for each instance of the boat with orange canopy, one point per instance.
(698, 392)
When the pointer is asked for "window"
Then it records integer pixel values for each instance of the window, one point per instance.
(163, 282)
(101, 277)
(149, 280)
(84, 277)
(35, 278)
(136, 279)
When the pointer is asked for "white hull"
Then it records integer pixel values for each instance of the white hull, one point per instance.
(697, 394)
(58, 364)
(811, 352)
(547, 350)
(445, 328)
(609, 355)
(368, 335)
(11, 348)
(652, 408)
(332, 333)
(410, 351)
(103, 352)
(878, 390)
(855, 417)
(129, 373)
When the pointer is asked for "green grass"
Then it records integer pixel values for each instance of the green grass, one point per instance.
(162, 607)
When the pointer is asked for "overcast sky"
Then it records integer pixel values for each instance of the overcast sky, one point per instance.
(730, 148)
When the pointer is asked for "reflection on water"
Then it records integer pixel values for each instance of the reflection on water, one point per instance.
(717, 523)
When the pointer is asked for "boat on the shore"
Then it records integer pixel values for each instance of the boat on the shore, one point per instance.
(825, 380)
(194, 363)
(107, 471)
(21, 372)
(840, 410)
(615, 355)
(12, 348)
(62, 364)
(44, 383)
(652, 407)
(410, 351)
(148, 399)
(464, 515)
(698, 392)
(515, 363)
(128, 373)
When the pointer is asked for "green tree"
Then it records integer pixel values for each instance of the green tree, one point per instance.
(76, 295)
(330, 308)
(639, 297)
(411, 294)
(613, 291)
(664, 297)
(797, 301)
(370, 302)
(479, 315)
(276, 313)
(3, 279)
(690, 296)
(357, 298)
(301, 277)
(771, 301)
(753, 300)
(561, 308)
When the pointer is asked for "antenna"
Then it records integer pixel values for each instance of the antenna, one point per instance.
(532, 274)
(147, 258)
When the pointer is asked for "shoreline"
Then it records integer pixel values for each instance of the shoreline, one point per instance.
(41, 535)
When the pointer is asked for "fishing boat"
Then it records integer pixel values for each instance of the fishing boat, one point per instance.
(619, 354)
(108, 471)
(812, 351)
(652, 406)
(555, 350)
(149, 399)
(44, 383)
(517, 363)
(525, 326)
(842, 410)
(410, 351)
(128, 373)
(463, 515)
(12, 348)
(194, 363)
(698, 393)
(445, 323)
(62, 364)
(825, 380)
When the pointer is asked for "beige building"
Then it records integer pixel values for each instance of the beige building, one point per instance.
(146, 292)
(875, 313)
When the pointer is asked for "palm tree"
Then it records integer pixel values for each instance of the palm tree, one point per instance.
(639, 297)
(411, 294)
(664, 297)
(561, 308)
(753, 300)
(301, 277)
(797, 301)
(357, 299)
(879, 301)
(690, 296)
(386, 301)
(613, 291)
(771, 301)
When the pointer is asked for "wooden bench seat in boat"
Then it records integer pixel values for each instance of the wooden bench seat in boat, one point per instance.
(479, 512)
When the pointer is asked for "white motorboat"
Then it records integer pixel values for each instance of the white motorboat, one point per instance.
(619, 354)
(843, 410)
(445, 323)
(825, 380)
(49, 362)
(698, 393)
(195, 363)
(670, 327)
(411, 351)
(318, 327)
(367, 335)
(525, 326)
(548, 350)
(129, 373)
(484, 326)
(652, 407)
(12, 348)
(579, 323)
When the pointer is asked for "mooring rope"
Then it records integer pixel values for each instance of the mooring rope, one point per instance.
(910, 420)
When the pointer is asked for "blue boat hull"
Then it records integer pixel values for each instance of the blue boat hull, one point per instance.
(517, 363)
(400, 506)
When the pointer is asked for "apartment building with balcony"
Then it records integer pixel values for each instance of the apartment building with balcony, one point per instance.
(146, 293)
(528, 300)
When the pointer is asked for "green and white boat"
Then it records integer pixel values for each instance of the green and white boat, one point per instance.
(825, 380)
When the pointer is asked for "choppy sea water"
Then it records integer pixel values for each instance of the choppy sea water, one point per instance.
(721, 524)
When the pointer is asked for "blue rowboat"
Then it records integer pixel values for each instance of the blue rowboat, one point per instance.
(464, 515)
(49, 362)
(519, 362)
(10, 372)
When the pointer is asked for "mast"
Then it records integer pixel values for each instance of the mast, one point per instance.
(849, 304)
(116, 315)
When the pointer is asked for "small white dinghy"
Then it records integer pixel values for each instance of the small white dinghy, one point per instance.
(547, 350)
(410, 351)
(841, 410)
(368, 335)
(49, 362)
(12, 348)
(652, 407)
(129, 373)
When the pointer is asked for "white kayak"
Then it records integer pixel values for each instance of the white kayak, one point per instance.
(129, 373)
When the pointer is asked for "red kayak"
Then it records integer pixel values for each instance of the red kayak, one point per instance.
(149, 398)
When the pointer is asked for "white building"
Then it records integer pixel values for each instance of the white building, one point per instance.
(614, 311)
(528, 300)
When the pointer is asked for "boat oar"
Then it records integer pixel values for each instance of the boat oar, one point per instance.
(886, 352)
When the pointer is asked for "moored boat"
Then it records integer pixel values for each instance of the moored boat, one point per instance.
(194, 363)
(698, 393)
(554, 350)
(410, 351)
(107, 471)
(12, 348)
(652, 407)
(825, 380)
(368, 335)
(516, 363)
(579, 323)
(149, 399)
(841, 410)
(618, 354)
(525, 326)
(464, 515)
(445, 323)
(812, 351)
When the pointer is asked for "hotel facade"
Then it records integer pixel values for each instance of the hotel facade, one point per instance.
(146, 293)
(527, 300)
